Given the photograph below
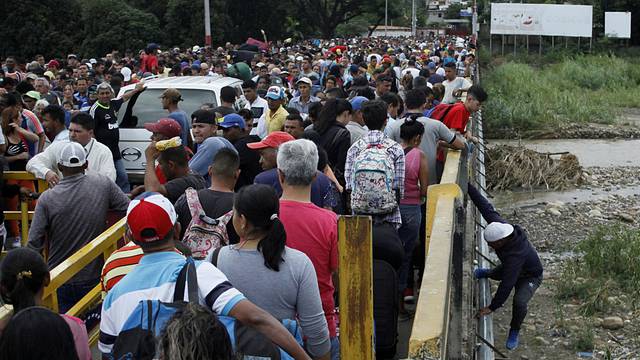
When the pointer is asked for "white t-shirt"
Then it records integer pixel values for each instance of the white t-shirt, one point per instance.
(451, 86)
(413, 71)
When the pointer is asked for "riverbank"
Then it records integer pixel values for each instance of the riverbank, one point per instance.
(557, 222)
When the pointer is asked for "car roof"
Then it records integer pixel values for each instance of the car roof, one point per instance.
(188, 82)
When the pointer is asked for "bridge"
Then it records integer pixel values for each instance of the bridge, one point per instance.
(444, 325)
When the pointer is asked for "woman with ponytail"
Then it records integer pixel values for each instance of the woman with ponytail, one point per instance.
(23, 277)
(276, 278)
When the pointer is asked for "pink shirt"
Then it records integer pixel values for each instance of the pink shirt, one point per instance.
(80, 336)
(412, 177)
(314, 231)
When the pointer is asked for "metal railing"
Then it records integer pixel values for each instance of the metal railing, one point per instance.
(102, 246)
(23, 215)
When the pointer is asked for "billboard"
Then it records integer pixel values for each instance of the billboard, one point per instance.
(617, 24)
(541, 19)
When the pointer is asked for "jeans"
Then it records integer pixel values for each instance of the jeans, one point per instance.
(70, 294)
(122, 179)
(524, 289)
(408, 233)
(335, 348)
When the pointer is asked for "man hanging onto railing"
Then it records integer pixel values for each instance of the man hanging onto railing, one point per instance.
(519, 268)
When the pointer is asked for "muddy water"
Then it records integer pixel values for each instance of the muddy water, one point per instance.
(601, 153)
(604, 153)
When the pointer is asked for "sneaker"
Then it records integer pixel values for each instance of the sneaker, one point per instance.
(481, 273)
(512, 340)
(407, 296)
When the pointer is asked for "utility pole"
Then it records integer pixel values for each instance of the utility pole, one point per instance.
(207, 24)
(386, 16)
(413, 18)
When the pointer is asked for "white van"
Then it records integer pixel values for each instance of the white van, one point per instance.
(147, 107)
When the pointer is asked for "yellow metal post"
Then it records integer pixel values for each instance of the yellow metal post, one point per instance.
(24, 221)
(356, 288)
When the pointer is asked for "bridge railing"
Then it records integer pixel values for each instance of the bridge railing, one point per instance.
(23, 215)
(430, 334)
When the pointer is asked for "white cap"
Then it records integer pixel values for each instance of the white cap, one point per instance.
(195, 48)
(305, 80)
(126, 73)
(497, 231)
(93, 61)
(72, 155)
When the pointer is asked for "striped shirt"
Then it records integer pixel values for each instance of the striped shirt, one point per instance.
(154, 279)
(119, 264)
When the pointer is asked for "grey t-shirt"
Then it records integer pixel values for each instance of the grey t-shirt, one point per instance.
(434, 130)
(72, 214)
(291, 291)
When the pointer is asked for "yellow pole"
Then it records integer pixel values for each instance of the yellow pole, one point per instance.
(356, 288)
(24, 221)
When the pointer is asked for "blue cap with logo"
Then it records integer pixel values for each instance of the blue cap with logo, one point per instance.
(232, 120)
(275, 93)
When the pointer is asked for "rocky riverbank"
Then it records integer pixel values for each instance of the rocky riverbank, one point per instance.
(571, 131)
(559, 329)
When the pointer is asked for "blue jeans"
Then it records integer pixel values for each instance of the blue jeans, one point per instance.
(408, 234)
(122, 179)
(70, 294)
(335, 348)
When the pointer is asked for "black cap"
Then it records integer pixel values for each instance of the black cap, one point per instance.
(203, 116)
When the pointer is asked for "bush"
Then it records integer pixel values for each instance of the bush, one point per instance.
(582, 88)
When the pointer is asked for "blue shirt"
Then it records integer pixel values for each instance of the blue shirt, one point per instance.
(203, 157)
(321, 189)
(182, 119)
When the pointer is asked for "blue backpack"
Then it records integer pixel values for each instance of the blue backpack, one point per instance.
(138, 339)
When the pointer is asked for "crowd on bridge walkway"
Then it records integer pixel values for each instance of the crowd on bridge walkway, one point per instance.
(236, 220)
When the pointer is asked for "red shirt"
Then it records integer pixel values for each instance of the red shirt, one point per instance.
(456, 120)
(314, 231)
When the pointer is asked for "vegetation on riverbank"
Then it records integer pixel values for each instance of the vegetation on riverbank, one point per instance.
(526, 94)
(606, 272)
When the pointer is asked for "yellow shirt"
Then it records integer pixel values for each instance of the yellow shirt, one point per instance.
(275, 120)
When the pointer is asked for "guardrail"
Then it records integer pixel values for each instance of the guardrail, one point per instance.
(430, 332)
(103, 245)
(23, 215)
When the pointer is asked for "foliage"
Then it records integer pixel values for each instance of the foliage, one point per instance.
(579, 88)
(37, 27)
(453, 11)
(326, 15)
(609, 262)
(112, 24)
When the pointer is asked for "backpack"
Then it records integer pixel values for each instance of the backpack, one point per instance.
(138, 338)
(249, 344)
(440, 111)
(372, 185)
(204, 234)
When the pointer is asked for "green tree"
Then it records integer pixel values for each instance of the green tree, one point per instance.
(453, 11)
(112, 24)
(326, 15)
(184, 22)
(372, 16)
(51, 28)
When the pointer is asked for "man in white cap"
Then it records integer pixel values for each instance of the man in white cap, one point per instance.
(302, 102)
(152, 223)
(72, 214)
(519, 268)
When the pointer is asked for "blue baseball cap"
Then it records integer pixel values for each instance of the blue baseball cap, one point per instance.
(275, 93)
(232, 120)
(353, 68)
(356, 102)
(431, 65)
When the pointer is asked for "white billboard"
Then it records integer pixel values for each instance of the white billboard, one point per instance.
(617, 24)
(541, 19)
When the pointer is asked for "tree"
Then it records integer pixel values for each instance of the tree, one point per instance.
(453, 11)
(179, 32)
(326, 15)
(112, 24)
(51, 28)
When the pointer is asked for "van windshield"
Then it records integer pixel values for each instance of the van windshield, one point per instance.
(147, 107)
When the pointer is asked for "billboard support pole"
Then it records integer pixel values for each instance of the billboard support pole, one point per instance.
(578, 44)
(590, 42)
(566, 42)
(553, 42)
(490, 45)
(540, 45)
(502, 45)
(515, 38)
(527, 44)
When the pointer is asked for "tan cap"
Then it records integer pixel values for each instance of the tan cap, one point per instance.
(172, 94)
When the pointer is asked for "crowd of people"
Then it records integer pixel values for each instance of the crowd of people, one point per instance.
(250, 188)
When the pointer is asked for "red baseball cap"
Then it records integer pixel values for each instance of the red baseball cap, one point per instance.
(272, 140)
(166, 127)
(53, 63)
(150, 217)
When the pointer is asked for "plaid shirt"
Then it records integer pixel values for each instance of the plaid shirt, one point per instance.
(376, 137)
